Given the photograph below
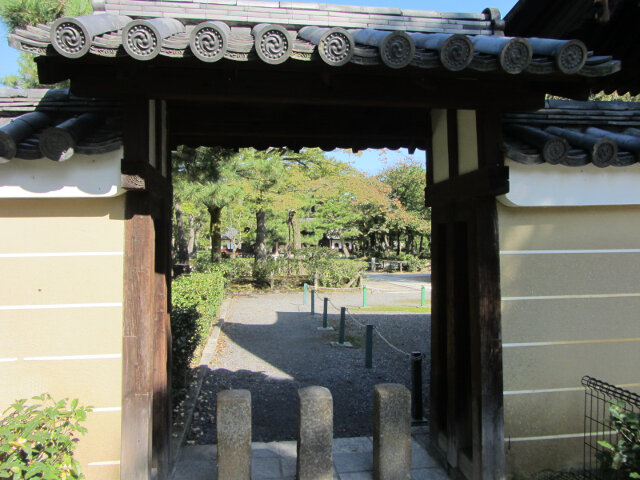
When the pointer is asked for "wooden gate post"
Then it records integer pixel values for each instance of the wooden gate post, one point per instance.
(137, 369)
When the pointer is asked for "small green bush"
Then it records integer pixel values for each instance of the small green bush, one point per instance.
(38, 440)
(411, 262)
(202, 263)
(330, 269)
(237, 268)
(622, 460)
(196, 300)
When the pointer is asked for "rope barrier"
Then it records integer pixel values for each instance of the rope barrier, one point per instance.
(399, 350)
(391, 291)
(335, 288)
(375, 329)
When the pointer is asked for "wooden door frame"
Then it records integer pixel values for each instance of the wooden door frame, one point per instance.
(470, 200)
(146, 368)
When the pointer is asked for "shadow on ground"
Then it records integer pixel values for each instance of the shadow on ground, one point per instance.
(275, 354)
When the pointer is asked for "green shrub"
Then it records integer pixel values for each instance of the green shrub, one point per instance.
(38, 440)
(622, 460)
(411, 262)
(237, 268)
(202, 263)
(340, 273)
(196, 300)
(329, 268)
(187, 332)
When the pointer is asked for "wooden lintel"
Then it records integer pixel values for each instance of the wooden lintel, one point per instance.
(301, 84)
(480, 183)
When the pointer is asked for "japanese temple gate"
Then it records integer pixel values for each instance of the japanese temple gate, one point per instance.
(438, 82)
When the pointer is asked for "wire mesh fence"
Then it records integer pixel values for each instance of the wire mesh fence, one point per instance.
(599, 397)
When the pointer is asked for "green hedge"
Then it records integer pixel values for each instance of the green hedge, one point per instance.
(305, 265)
(196, 300)
(330, 269)
(411, 262)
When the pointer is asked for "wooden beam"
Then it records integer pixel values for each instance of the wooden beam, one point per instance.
(485, 182)
(487, 384)
(429, 151)
(489, 134)
(451, 348)
(142, 177)
(135, 130)
(438, 401)
(161, 352)
(452, 142)
(300, 83)
(137, 391)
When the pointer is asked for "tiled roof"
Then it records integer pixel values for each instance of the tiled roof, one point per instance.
(606, 27)
(273, 32)
(574, 134)
(54, 124)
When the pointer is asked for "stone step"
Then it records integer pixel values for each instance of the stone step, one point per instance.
(352, 460)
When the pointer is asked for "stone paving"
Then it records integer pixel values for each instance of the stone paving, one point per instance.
(352, 460)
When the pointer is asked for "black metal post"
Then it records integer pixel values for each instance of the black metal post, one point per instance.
(343, 311)
(324, 312)
(313, 301)
(368, 357)
(416, 386)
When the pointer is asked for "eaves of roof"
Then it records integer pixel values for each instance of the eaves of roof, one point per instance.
(607, 27)
(274, 32)
(37, 123)
(571, 133)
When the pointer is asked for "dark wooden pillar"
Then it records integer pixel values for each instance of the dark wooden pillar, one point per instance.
(137, 393)
(467, 427)
(487, 387)
(146, 407)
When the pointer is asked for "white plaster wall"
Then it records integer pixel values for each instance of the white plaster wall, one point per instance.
(81, 176)
(548, 185)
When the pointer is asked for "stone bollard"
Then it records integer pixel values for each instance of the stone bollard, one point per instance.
(315, 434)
(391, 432)
(234, 434)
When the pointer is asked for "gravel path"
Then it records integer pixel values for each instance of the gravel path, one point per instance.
(270, 345)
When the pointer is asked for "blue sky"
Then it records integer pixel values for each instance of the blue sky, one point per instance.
(370, 161)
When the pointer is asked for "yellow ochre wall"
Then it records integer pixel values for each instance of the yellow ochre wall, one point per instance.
(570, 280)
(61, 296)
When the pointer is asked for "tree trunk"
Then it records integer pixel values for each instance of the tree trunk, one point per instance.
(289, 230)
(192, 245)
(345, 249)
(261, 236)
(410, 243)
(294, 228)
(398, 249)
(297, 236)
(214, 231)
(421, 243)
(182, 249)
